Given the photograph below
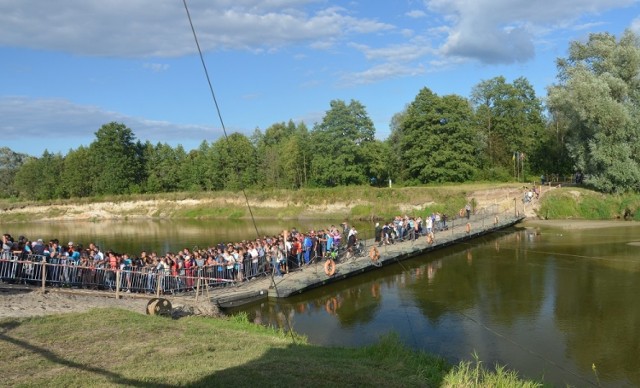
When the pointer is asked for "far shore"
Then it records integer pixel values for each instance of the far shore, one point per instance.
(578, 224)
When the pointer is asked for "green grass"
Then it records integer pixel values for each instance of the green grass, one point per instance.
(581, 203)
(114, 347)
(468, 374)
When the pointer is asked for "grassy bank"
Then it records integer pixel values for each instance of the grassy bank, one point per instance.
(581, 203)
(107, 347)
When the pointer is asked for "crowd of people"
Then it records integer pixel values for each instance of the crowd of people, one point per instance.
(235, 262)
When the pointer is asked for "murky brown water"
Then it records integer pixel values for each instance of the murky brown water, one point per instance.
(547, 302)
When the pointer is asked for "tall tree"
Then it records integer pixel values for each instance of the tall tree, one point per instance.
(281, 152)
(437, 139)
(599, 95)
(234, 158)
(337, 145)
(10, 163)
(78, 173)
(163, 166)
(509, 117)
(117, 158)
(39, 178)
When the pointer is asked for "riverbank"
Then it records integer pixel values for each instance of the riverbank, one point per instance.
(361, 203)
(352, 203)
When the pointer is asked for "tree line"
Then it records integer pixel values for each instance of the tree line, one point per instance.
(502, 132)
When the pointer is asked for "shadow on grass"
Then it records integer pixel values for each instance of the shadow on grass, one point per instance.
(57, 359)
(387, 363)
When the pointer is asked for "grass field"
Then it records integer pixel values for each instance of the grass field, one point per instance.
(113, 347)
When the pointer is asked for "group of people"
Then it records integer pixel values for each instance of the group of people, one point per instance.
(230, 262)
(237, 261)
(405, 228)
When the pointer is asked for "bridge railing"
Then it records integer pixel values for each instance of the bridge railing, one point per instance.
(43, 271)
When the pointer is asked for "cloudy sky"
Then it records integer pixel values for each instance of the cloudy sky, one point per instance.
(69, 66)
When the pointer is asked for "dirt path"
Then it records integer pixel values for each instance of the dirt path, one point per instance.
(18, 302)
(21, 302)
(506, 198)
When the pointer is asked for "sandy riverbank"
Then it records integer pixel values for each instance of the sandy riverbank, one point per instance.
(21, 302)
(578, 224)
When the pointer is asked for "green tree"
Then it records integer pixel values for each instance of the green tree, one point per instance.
(509, 118)
(10, 163)
(398, 170)
(163, 166)
(437, 140)
(337, 145)
(40, 178)
(281, 153)
(78, 173)
(191, 179)
(598, 94)
(378, 161)
(234, 158)
(117, 159)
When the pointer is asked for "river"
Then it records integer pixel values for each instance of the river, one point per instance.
(553, 303)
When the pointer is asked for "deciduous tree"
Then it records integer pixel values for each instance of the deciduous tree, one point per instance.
(337, 145)
(599, 95)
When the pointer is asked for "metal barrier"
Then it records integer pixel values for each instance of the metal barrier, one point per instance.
(58, 272)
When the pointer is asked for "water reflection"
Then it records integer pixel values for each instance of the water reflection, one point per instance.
(536, 300)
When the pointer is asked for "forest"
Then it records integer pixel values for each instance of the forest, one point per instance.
(588, 122)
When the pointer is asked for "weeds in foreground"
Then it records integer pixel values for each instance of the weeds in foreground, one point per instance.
(473, 374)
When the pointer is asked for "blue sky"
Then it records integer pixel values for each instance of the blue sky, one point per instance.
(69, 66)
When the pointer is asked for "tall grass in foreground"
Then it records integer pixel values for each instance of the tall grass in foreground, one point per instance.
(113, 347)
(468, 374)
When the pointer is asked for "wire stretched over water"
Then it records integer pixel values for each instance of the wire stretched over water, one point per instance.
(217, 106)
(224, 130)
(506, 338)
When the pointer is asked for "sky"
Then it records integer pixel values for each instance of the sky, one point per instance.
(67, 67)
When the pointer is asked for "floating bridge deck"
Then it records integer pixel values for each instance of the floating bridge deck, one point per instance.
(313, 276)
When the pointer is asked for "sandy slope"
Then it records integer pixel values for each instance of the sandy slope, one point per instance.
(502, 198)
(18, 303)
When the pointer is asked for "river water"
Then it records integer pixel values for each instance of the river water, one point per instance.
(552, 303)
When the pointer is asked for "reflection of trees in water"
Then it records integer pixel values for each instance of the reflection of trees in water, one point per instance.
(501, 284)
(597, 309)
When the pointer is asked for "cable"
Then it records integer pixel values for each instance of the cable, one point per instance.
(497, 334)
(224, 130)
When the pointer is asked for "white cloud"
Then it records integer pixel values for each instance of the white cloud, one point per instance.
(157, 67)
(55, 119)
(416, 14)
(405, 52)
(145, 28)
(504, 31)
(635, 25)
(381, 72)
